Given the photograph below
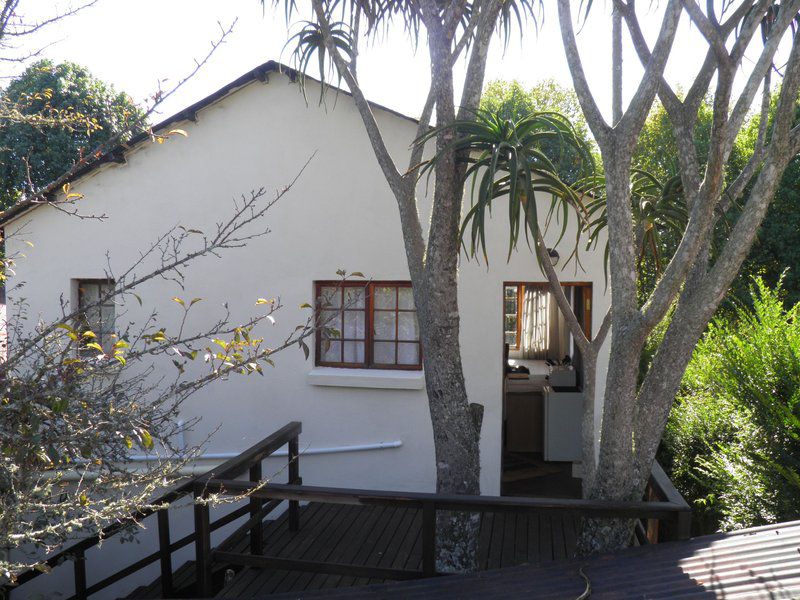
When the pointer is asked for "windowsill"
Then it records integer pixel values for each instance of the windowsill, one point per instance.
(386, 379)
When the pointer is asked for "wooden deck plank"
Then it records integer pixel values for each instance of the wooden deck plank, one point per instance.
(390, 537)
(383, 544)
(287, 541)
(320, 579)
(557, 535)
(330, 549)
(509, 541)
(521, 541)
(412, 538)
(357, 545)
(496, 544)
(571, 528)
(322, 548)
(322, 537)
(545, 538)
(374, 529)
(277, 538)
(414, 562)
(534, 554)
(484, 540)
(387, 546)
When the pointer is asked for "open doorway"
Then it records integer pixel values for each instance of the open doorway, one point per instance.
(542, 389)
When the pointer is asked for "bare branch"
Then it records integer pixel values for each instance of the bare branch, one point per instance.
(600, 129)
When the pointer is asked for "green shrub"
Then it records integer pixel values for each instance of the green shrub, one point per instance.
(732, 443)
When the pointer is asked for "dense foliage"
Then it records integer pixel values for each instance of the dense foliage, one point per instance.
(510, 101)
(732, 444)
(776, 247)
(52, 114)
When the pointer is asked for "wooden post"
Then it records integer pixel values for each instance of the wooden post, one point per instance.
(294, 478)
(165, 554)
(79, 564)
(257, 531)
(429, 538)
(202, 545)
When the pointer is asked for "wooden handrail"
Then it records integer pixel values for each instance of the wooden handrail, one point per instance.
(591, 508)
(672, 508)
(663, 487)
(232, 467)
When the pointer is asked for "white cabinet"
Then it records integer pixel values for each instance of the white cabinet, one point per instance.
(562, 424)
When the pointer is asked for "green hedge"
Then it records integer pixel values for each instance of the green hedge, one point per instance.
(732, 443)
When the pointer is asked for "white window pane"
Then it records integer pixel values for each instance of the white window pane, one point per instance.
(354, 297)
(384, 325)
(354, 352)
(331, 319)
(407, 327)
(385, 297)
(383, 353)
(330, 297)
(331, 351)
(407, 354)
(405, 298)
(354, 324)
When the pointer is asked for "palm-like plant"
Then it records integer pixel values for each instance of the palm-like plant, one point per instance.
(516, 158)
(310, 41)
(659, 210)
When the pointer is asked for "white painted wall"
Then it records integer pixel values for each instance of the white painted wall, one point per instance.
(341, 214)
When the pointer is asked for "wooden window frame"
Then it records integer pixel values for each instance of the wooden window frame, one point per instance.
(369, 326)
(520, 290)
(588, 292)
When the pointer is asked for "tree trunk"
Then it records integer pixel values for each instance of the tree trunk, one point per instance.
(614, 477)
(589, 456)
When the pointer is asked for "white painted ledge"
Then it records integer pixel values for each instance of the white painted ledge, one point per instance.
(366, 378)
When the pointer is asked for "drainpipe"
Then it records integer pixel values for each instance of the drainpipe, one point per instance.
(194, 470)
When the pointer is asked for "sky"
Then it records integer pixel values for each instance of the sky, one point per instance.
(133, 45)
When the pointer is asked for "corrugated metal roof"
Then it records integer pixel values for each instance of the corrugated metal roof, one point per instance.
(762, 562)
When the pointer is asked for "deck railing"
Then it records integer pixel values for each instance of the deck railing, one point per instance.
(248, 461)
(662, 515)
(660, 489)
(670, 509)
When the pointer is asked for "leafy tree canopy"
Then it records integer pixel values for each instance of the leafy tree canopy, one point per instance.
(49, 116)
(776, 247)
(511, 100)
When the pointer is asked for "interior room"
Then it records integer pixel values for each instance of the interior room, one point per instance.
(542, 390)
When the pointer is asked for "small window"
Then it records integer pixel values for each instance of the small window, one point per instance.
(511, 321)
(97, 315)
(370, 325)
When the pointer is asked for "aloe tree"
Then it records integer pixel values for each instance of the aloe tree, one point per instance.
(458, 31)
(697, 276)
(635, 208)
(695, 279)
(512, 161)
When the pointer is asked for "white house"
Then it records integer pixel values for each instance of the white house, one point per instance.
(258, 132)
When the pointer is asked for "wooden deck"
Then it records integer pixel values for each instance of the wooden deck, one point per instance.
(390, 537)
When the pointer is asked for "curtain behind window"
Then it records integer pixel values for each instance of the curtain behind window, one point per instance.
(559, 332)
(535, 327)
(544, 329)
